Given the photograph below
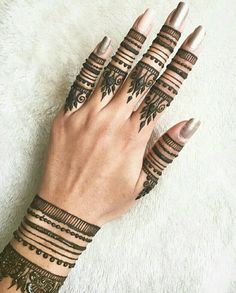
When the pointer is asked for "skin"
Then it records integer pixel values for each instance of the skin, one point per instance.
(95, 155)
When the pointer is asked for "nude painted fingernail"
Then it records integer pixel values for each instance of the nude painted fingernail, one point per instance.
(189, 128)
(103, 46)
(196, 38)
(146, 20)
(179, 15)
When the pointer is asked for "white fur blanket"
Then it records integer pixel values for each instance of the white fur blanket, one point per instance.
(182, 237)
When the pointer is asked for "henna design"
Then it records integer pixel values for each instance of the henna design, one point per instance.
(57, 226)
(171, 31)
(155, 102)
(46, 240)
(27, 276)
(142, 77)
(17, 237)
(164, 149)
(150, 181)
(178, 71)
(152, 163)
(41, 252)
(161, 156)
(53, 235)
(188, 56)
(160, 42)
(85, 82)
(112, 78)
(166, 85)
(171, 143)
(64, 217)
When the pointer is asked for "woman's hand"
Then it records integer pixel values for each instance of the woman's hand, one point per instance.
(97, 165)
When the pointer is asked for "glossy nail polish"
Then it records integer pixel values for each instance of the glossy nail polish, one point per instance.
(189, 128)
(103, 46)
(196, 38)
(179, 15)
(146, 20)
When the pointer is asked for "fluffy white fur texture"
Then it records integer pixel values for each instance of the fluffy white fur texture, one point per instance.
(182, 237)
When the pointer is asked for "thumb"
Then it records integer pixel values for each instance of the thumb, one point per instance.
(164, 151)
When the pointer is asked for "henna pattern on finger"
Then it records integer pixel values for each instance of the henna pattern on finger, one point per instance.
(112, 78)
(25, 275)
(142, 77)
(116, 71)
(147, 70)
(156, 160)
(166, 87)
(85, 82)
(155, 102)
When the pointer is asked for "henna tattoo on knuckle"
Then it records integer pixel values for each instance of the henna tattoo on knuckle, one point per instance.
(116, 71)
(85, 82)
(112, 78)
(155, 102)
(188, 56)
(142, 77)
(172, 143)
(156, 161)
(171, 31)
(27, 276)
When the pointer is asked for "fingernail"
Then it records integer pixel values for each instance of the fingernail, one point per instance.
(103, 46)
(146, 20)
(179, 15)
(196, 38)
(189, 128)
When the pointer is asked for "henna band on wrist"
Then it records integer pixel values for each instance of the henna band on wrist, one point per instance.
(25, 275)
(64, 217)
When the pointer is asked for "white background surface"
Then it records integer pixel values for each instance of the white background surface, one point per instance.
(180, 238)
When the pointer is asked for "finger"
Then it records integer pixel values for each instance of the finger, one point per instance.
(145, 73)
(167, 86)
(86, 79)
(116, 71)
(164, 151)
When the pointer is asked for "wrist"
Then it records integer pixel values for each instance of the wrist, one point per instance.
(51, 240)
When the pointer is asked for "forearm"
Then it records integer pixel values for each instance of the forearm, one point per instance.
(44, 249)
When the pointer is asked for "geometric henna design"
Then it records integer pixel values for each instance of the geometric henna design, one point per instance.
(57, 226)
(178, 71)
(188, 56)
(151, 179)
(25, 275)
(44, 254)
(117, 70)
(162, 46)
(33, 247)
(63, 217)
(142, 77)
(156, 161)
(45, 240)
(171, 143)
(166, 88)
(85, 82)
(171, 31)
(53, 235)
(155, 102)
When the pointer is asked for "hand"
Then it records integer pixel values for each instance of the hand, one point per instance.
(97, 165)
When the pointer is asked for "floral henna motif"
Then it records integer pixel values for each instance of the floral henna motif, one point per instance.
(117, 70)
(25, 275)
(85, 82)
